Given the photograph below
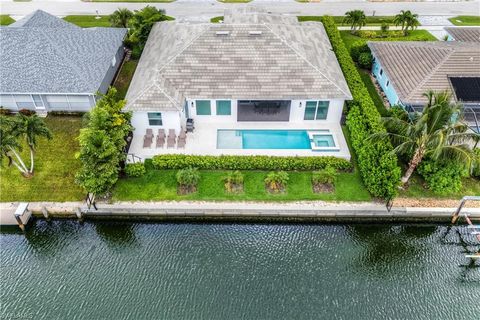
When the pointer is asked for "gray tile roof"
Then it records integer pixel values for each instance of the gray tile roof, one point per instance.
(465, 34)
(285, 61)
(417, 67)
(44, 54)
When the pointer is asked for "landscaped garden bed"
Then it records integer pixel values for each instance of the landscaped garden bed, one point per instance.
(339, 20)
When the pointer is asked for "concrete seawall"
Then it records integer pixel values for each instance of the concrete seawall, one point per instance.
(234, 211)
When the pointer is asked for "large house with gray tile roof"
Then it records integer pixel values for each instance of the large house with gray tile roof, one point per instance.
(253, 71)
(463, 34)
(48, 64)
(406, 70)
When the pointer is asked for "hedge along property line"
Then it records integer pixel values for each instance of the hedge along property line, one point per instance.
(226, 162)
(378, 165)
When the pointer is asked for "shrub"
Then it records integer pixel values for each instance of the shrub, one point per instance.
(357, 48)
(365, 60)
(476, 164)
(136, 52)
(384, 27)
(276, 181)
(442, 177)
(234, 181)
(367, 34)
(378, 165)
(135, 169)
(27, 112)
(224, 162)
(325, 176)
(4, 111)
(188, 177)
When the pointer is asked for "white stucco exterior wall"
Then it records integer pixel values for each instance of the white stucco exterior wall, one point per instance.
(170, 119)
(335, 107)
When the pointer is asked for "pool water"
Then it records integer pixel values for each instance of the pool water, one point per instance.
(270, 139)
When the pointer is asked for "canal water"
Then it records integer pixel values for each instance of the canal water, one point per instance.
(108, 270)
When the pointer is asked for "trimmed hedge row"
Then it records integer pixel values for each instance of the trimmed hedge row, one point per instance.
(225, 162)
(378, 166)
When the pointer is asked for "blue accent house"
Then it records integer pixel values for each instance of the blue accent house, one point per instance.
(384, 82)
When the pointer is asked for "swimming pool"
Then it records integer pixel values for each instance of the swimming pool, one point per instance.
(320, 140)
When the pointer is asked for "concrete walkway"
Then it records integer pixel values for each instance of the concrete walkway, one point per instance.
(204, 10)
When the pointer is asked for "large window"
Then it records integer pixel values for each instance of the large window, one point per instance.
(316, 110)
(224, 107)
(203, 108)
(155, 118)
(24, 101)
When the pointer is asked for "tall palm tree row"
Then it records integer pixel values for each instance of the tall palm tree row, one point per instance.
(15, 129)
(437, 133)
(356, 18)
(407, 20)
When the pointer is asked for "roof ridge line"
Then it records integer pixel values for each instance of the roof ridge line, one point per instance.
(69, 62)
(167, 95)
(438, 66)
(305, 59)
(139, 95)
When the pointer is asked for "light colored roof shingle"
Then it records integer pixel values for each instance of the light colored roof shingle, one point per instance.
(44, 54)
(285, 61)
(414, 68)
(465, 34)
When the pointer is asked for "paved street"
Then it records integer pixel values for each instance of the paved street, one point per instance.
(204, 10)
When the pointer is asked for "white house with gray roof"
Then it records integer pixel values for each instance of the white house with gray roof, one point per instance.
(48, 64)
(255, 84)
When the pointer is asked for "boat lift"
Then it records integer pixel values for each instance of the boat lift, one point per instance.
(472, 228)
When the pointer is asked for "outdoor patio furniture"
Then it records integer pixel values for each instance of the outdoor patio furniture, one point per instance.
(160, 141)
(172, 137)
(147, 141)
(181, 143)
(170, 143)
(161, 133)
(171, 134)
(190, 125)
(149, 133)
(182, 135)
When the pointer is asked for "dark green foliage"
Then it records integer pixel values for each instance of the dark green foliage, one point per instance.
(325, 176)
(142, 22)
(384, 27)
(180, 161)
(365, 60)
(234, 181)
(188, 177)
(102, 143)
(276, 181)
(135, 169)
(358, 48)
(442, 177)
(476, 166)
(216, 19)
(378, 165)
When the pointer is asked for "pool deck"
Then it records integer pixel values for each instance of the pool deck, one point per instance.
(203, 141)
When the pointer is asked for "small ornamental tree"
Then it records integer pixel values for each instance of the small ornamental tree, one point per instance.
(120, 17)
(102, 144)
(407, 20)
(356, 19)
(15, 129)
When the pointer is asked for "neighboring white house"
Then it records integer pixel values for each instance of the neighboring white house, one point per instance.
(255, 84)
(48, 64)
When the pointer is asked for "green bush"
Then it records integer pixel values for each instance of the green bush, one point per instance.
(188, 177)
(442, 177)
(365, 60)
(135, 169)
(325, 176)
(357, 48)
(476, 165)
(276, 181)
(367, 34)
(233, 180)
(378, 165)
(180, 161)
(384, 28)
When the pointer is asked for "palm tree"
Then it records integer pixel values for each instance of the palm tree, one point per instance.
(437, 133)
(356, 18)
(121, 17)
(32, 128)
(407, 20)
(9, 145)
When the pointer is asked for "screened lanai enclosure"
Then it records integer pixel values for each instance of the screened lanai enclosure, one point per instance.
(263, 110)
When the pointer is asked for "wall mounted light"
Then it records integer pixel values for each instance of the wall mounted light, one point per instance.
(192, 104)
(300, 104)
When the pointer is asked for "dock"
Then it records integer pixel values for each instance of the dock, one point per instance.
(15, 214)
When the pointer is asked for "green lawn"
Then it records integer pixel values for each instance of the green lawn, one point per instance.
(371, 21)
(377, 100)
(159, 1)
(162, 185)
(5, 20)
(88, 21)
(416, 189)
(55, 167)
(465, 20)
(415, 35)
(125, 77)
(216, 19)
